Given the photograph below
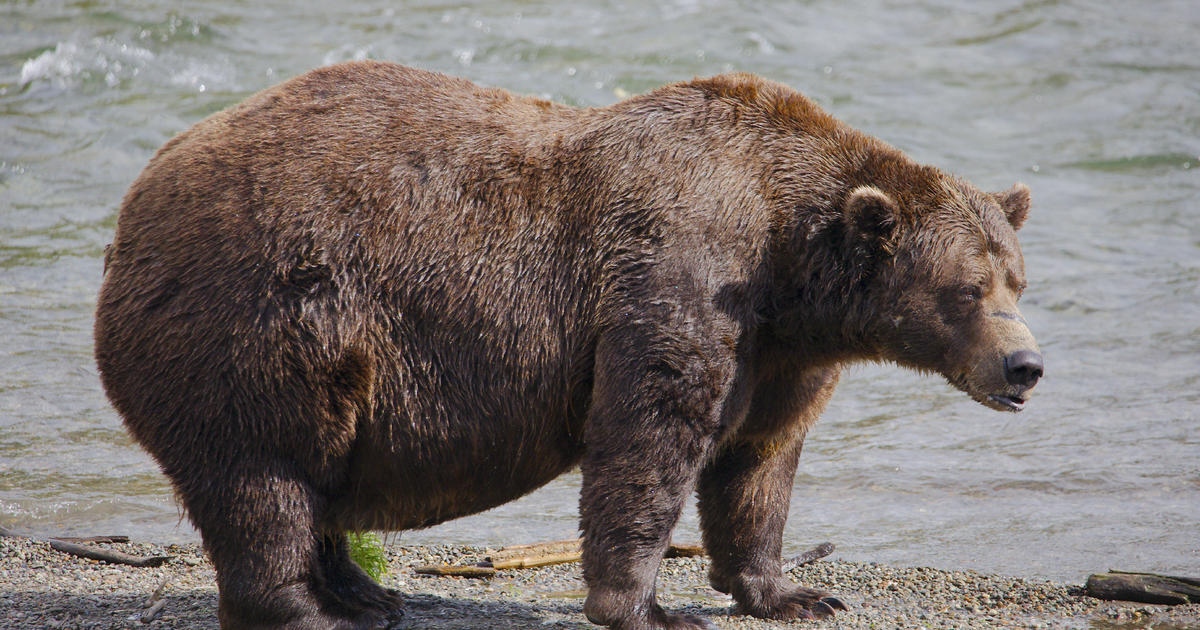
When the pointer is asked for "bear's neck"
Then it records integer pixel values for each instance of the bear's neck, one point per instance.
(822, 310)
(824, 303)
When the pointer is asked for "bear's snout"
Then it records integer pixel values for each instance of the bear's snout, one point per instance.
(1023, 368)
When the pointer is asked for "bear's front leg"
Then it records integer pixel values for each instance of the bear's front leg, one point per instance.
(648, 431)
(744, 496)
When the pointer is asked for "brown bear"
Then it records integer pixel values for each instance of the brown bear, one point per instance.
(374, 297)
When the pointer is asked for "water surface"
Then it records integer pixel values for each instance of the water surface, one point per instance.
(1097, 108)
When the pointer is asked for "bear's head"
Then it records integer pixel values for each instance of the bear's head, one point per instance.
(946, 293)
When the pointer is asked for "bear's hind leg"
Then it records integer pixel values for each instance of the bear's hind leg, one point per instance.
(259, 528)
(349, 585)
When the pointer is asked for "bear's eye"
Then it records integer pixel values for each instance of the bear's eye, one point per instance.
(1020, 291)
(972, 293)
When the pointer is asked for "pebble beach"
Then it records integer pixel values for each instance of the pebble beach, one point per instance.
(44, 588)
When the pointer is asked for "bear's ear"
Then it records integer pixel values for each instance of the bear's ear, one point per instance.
(871, 217)
(1015, 202)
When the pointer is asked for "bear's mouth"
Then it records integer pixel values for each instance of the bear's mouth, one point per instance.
(1013, 402)
(1007, 402)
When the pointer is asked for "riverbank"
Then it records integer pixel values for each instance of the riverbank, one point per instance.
(43, 588)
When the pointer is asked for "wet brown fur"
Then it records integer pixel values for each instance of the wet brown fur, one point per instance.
(374, 297)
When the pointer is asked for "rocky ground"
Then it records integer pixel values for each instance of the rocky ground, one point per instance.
(43, 588)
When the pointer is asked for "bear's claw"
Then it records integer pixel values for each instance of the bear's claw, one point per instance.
(834, 603)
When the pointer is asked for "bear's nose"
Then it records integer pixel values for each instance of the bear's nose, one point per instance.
(1023, 367)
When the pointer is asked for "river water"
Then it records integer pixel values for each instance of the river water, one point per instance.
(1095, 105)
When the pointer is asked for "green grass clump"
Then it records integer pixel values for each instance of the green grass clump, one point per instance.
(366, 550)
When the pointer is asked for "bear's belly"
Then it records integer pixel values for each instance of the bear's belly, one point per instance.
(462, 421)
(417, 480)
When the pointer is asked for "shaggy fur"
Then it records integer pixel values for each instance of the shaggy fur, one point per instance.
(374, 297)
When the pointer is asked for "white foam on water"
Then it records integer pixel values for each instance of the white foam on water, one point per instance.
(346, 52)
(202, 75)
(72, 62)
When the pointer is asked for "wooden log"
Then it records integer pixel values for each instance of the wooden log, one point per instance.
(107, 555)
(70, 546)
(559, 551)
(538, 560)
(534, 555)
(157, 594)
(684, 551)
(469, 571)
(153, 606)
(812, 555)
(116, 538)
(93, 539)
(1148, 588)
(552, 545)
(512, 553)
(152, 613)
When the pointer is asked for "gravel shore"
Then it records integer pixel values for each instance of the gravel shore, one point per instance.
(43, 588)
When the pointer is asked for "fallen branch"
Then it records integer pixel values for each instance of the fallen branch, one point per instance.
(153, 606)
(93, 539)
(69, 545)
(560, 551)
(1148, 588)
(684, 551)
(152, 613)
(534, 555)
(470, 571)
(6, 532)
(157, 594)
(812, 555)
(106, 555)
(538, 560)
(556, 546)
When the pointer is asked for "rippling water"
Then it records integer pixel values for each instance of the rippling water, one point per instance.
(1097, 108)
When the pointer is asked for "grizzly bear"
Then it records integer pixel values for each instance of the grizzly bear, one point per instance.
(379, 298)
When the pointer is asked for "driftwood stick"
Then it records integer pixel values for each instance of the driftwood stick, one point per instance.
(812, 555)
(559, 551)
(684, 551)
(518, 552)
(538, 560)
(470, 571)
(1147, 588)
(553, 545)
(116, 538)
(152, 613)
(107, 555)
(534, 555)
(70, 546)
(93, 539)
(157, 594)
(153, 606)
